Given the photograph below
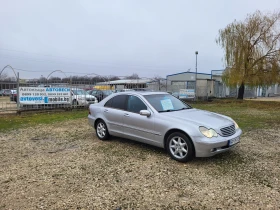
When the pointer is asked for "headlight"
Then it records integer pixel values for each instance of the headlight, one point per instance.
(209, 133)
(235, 125)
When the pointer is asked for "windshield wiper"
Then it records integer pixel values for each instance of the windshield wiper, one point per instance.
(183, 108)
(173, 110)
(168, 110)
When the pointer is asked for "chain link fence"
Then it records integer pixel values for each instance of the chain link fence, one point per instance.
(45, 94)
(80, 92)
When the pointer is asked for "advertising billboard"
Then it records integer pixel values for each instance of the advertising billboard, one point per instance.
(44, 95)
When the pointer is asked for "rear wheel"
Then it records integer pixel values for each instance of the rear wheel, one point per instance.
(180, 147)
(101, 130)
(75, 103)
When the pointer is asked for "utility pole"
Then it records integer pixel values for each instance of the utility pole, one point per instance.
(195, 87)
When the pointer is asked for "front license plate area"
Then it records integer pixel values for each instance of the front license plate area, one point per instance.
(233, 141)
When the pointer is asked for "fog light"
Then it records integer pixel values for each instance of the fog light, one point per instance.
(213, 150)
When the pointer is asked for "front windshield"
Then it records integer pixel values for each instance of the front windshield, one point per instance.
(166, 103)
(108, 92)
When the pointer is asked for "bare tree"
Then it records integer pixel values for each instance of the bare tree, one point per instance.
(133, 76)
(112, 78)
(3, 76)
(161, 82)
(252, 51)
(42, 79)
(54, 80)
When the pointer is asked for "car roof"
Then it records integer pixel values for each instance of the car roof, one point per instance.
(142, 93)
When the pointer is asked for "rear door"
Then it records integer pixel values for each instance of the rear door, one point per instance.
(113, 112)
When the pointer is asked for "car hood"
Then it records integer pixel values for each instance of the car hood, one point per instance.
(85, 96)
(90, 96)
(200, 117)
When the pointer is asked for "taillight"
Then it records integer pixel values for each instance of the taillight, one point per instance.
(89, 111)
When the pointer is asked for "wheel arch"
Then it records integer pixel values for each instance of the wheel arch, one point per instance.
(177, 130)
(75, 101)
(95, 122)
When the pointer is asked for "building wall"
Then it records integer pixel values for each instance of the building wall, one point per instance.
(8, 85)
(187, 76)
(212, 85)
(205, 88)
(268, 91)
(217, 78)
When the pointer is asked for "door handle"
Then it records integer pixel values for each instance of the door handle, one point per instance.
(126, 115)
(106, 110)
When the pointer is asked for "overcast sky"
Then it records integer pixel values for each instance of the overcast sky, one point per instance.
(116, 37)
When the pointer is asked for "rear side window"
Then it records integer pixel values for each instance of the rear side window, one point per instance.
(109, 103)
(118, 102)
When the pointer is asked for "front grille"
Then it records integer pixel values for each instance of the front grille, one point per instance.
(228, 131)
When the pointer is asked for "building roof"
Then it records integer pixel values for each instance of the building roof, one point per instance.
(187, 72)
(125, 81)
(216, 72)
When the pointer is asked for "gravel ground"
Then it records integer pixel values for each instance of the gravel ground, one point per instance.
(64, 166)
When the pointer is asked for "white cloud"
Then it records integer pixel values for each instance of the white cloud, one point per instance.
(117, 37)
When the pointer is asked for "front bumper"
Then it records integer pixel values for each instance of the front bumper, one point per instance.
(205, 147)
(92, 101)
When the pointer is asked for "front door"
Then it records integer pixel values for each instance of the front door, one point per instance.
(136, 126)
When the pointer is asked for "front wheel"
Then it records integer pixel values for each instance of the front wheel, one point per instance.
(75, 103)
(180, 147)
(101, 130)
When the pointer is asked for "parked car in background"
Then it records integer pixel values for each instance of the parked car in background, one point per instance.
(81, 98)
(126, 90)
(122, 90)
(100, 94)
(142, 89)
(160, 119)
(6, 92)
(13, 95)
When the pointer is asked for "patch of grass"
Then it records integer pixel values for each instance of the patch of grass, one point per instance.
(9, 122)
(249, 115)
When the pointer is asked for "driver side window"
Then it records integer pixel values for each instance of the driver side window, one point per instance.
(134, 104)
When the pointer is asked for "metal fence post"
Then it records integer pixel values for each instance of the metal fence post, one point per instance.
(70, 84)
(207, 90)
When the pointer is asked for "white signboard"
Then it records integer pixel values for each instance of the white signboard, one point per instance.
(44, 95)
(166, 104)
(186, 93)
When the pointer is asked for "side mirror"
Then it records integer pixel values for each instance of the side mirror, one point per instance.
(145, 113)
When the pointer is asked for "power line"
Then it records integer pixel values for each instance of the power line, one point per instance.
(68, 72)
(78, 63)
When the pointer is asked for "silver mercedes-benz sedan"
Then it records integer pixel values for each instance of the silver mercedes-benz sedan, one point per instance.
(160, 119)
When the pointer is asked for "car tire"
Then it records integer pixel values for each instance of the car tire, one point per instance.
(75, 103)
(180, 147)
(102, 130)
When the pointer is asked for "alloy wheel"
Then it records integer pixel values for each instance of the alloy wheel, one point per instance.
(178, 147)
(101, 130)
